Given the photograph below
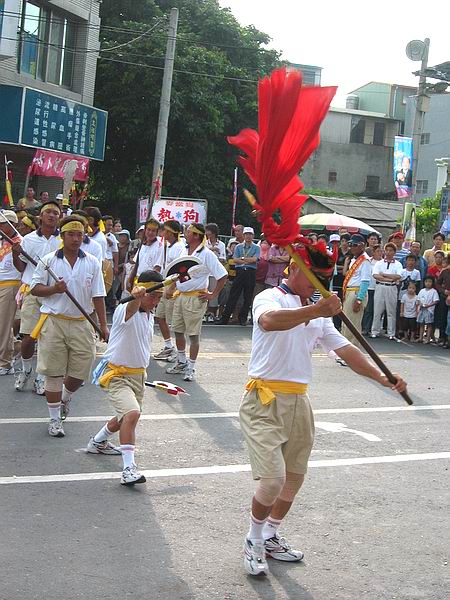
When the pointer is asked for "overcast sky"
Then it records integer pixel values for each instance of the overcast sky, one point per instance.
(354, 42)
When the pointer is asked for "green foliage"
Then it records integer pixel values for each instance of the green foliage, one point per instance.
(204, 110)
(427, 214)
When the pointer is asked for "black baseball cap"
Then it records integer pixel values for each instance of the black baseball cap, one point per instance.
(357, 238)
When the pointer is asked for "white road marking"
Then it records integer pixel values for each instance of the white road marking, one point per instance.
(219, 469)
(228, 415)
(342, 428)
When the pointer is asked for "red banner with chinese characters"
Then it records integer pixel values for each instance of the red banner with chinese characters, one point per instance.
(184, 210)
(54, 164)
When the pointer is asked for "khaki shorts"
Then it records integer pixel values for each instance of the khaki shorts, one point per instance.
(66, 348)
(164, 310)
(126, 394)
(279, 435)
(188, 312)
(29, 314)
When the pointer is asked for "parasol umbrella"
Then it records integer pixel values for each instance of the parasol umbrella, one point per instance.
(334, 222)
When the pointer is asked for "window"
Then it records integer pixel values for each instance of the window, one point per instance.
(422, 186)
(424, 139)
(47, 44)
(372, 184)
(332, 177)
(357, 131)
(378, 134)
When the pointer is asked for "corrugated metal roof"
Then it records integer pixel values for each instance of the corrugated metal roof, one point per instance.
(374, 212)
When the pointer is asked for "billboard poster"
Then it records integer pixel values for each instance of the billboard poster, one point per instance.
(409, 223)
(184, 210)
(403, 164)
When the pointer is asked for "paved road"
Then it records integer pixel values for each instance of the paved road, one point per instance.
(373, 518)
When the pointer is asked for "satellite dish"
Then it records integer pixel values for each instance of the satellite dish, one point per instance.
(415, 50)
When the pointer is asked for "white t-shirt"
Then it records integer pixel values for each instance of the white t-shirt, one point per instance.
(113, 248)
(215, 267)
(85, 281)
(37, 246)
(130, 341)
(220, 246)
(426, 297)
(286, 355)
(372, 284)
(362, 273)
(171, 252)
(8, 271)
(90, 246)
(150, 257)
(409, 305)
(383, 267)
(100, 238)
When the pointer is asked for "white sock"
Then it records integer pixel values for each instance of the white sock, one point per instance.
(256, 529)
(66, 395)
(27, 364)
(127, 455)
(54, 409)
(103, 434)
(190, 363)
(270, 528)
(168, 343)
(182, 356)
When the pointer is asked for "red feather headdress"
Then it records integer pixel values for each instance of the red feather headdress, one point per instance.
(289, 121)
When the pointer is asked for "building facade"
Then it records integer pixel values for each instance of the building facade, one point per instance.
(48, 60)
(434, 142)
(355, 153)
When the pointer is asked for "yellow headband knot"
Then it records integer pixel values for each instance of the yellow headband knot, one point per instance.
(50, 205)
(73, 226)
(101, 226)
(28, 222)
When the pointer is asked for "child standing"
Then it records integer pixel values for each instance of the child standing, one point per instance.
(409, 308)
(427, 298)
(122, 372)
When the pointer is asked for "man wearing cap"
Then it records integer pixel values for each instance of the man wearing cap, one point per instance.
(191, 301)
(398, 238)
(37, 244)
(66, 349)
(387, 274)
(9, 286)
(355, 285)
(173, 248)
(246, 257)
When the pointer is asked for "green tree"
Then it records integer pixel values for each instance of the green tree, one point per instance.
(427, 214)
(204, 109)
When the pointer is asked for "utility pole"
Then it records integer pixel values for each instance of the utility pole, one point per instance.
(422, 105)
(164, 107)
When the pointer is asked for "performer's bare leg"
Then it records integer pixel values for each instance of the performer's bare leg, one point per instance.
(194, 347)
(71, 385)
(180, 341)
(127, 436)
(165, 331)
(27, 347)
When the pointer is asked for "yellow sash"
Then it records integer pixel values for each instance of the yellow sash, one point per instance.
(267, 387)
(24, 289)
(358, 262)
(44, 316)
(10, 283)
(117, 371)
(193, 293)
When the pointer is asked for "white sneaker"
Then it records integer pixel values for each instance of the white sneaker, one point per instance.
(168, 354)
(21, 379)
(374, 335)
(189, 374)
(6, 371)
(131, 476)
(394, 339)
(255, 562)
(55, 428)
(178, 367)
(39, 384)
(276, 547)
(105, 447)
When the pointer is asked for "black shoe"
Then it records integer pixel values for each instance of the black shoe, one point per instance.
(221, 322)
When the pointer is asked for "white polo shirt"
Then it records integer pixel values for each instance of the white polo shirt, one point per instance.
(286, 355)
(215, 268)
(37, 246)
(90, 246)
(113, 248)
(362, 273)
(220, 246)
(8, 271)
(85, 281)
(150, 256)
(171, 252)
(100, 238)
(383, 267)
(129, 342)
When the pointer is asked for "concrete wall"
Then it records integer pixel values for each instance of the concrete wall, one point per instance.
(437, 124)
(87, 12)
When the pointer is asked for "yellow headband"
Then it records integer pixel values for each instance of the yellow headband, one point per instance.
(28, 222)
(151, 226)
(195, 230)
(50, 205)
(169, 228)
(101, 226)
(73, 226)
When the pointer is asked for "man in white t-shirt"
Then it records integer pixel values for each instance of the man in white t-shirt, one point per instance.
(95, 232)
(123, 372)
(275, 415)
(112, 256)
(150, 254)
(387, 274)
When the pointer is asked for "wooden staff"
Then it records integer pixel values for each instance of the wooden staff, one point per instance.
(57, 279)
